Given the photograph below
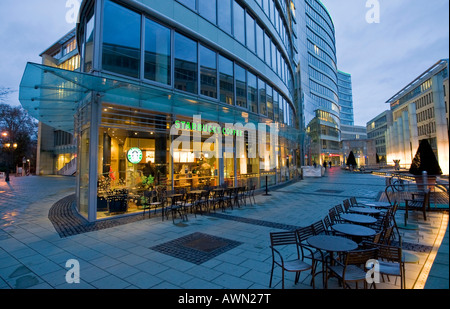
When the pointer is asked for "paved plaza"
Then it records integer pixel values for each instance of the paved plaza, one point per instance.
(146, 254)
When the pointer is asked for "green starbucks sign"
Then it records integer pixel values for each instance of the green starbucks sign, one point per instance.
(134, 155)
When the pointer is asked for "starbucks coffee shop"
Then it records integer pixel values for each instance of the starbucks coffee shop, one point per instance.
(166, 115)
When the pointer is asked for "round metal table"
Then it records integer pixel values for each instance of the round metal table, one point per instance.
(355, 231)
(377, 204)
(358, 219)
(365, 210)
(331, 243)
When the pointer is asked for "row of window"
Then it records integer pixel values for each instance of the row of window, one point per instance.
(328, 53)
(313, 73)
(326, 104)
(320, 16)
(196, 68)
(323, 66)
(427, 129)
(424, 101)
(71, 64)
(320, 30)
(237, 21)
(320, 89)
(425, 115)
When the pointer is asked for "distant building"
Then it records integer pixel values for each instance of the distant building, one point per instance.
(353, 132)
(420, 111)
(346, 99)
(363, 149)
(376, 130)
(56, 149)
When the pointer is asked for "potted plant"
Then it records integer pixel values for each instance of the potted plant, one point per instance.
(147, 182)
(425, 161)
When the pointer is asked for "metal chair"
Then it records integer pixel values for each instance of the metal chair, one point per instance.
(281, 242)
(353, 269)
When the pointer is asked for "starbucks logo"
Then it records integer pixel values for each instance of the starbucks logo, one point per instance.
(134, 155)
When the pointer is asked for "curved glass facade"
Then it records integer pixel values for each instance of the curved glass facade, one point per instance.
(319, 83)
(191, 68)
(183, 94)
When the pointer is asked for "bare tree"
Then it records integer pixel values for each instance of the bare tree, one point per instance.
(4, 93)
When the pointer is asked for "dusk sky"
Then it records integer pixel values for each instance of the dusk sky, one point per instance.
(382, 57)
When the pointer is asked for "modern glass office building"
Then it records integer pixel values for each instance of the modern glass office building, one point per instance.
(346, 98)
(189, 92)
(319, 83)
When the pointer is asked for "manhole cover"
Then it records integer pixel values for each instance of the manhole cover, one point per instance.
(196, 248)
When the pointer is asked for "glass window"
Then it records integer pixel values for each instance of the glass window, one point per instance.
(268, 54)
(207, 8)
(281, 109)
(272, 13)
(259, 41)
(189, 3)
(226, 80)
(241, 86)
(224, 16)
(250, 26)
(157, 52)
(269, 95)
(276, 111)
(274, 56)
(252, 92)
(266, 6)
(208, 72)
(89, 55)
(185, 64)
(121, 41)
(239, 23)
(262, 97)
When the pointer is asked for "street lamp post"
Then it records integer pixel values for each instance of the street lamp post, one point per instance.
(10, 147)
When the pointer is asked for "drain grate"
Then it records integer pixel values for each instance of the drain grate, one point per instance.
(196, 248)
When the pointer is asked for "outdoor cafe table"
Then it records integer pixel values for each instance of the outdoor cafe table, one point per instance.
(331, 244)
(358, 219)
(356, 231)
(365, 210)
(377, 204)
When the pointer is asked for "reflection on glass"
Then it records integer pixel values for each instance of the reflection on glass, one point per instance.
(207, 8)
(89, 55)
(208, 72)
(239, 22)
(262, 97)
(157, 52)
(250, 27)
(259, 41)
(276, 112)
(269, 102)
(121, 41)
(268, 52)
(226, 80)
(84, 173)
(185, 64)
(241, 86)
(252, 92)
(224, 15)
